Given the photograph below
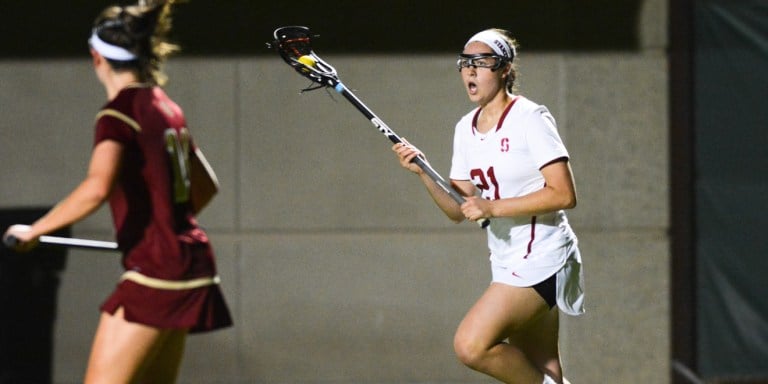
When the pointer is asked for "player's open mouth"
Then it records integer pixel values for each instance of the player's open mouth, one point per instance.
(472, 87)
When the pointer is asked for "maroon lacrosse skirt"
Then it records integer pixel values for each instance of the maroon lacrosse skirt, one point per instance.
(197, 310)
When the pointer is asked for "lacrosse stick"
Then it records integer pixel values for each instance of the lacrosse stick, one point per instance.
(294, 44)
(11, 241)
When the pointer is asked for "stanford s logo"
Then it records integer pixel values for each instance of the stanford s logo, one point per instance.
(505, 144)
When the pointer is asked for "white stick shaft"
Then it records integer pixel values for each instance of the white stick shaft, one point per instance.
(78, 243)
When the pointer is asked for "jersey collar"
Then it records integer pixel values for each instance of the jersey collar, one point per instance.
(501, 119)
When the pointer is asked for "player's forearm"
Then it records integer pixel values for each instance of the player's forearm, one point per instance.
(83, 201)
(444, 201)
(543, 201)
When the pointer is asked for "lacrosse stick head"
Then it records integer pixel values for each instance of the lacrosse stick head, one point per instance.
(294, 44)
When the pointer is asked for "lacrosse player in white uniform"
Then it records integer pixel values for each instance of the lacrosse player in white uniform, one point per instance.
(512, 166)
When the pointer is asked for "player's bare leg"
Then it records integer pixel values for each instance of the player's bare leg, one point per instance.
(539, 342)
(162, 366)
(504, 311)
(120, 348)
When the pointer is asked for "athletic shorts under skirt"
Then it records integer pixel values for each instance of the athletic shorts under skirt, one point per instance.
(569, 276)
(169, 304)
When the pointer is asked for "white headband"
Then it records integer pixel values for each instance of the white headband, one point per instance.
(108, 50)
(496, 42)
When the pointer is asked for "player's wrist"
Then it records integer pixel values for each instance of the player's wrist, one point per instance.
(493, 208)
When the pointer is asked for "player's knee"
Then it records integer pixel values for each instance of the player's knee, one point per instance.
(469, 352)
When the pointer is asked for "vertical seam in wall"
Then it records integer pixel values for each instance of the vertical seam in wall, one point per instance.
(562, 95)
(236, 110)
(236, 129)
(239, 363)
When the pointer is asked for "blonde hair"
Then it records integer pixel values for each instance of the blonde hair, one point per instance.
(142, 30)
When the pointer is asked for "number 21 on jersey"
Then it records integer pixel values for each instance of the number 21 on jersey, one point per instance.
(481, 179)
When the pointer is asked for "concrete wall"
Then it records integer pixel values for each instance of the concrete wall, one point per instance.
(337, 266)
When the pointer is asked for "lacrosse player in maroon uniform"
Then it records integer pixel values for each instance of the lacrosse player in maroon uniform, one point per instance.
(145, 163)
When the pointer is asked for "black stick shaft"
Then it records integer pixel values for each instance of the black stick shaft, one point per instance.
(394, 138)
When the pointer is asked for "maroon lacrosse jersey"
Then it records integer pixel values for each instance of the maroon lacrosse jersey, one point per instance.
(154, 224)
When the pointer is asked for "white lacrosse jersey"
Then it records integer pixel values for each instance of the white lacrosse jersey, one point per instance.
(505, 162)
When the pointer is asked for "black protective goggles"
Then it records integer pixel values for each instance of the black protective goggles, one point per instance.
(481, 60)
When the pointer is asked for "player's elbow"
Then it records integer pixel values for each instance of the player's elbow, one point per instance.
(99, 195)
(569, 201)
(97, 191)
(563, 198)
(456, 218)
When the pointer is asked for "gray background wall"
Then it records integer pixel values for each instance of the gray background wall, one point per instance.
(337, 266)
